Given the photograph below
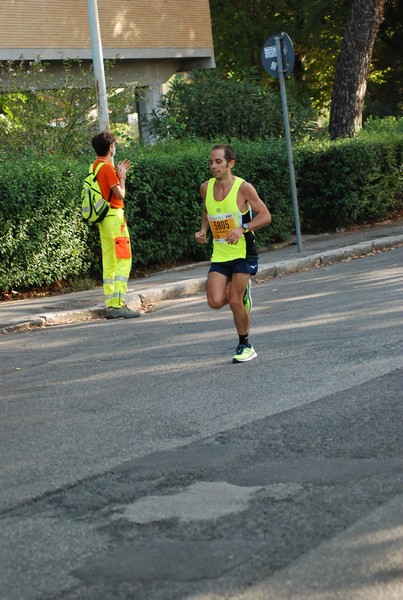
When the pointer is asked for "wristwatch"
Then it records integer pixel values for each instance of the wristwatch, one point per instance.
(245, 227)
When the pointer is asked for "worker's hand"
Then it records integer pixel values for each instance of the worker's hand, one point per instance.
(200, 237)
(123, 167)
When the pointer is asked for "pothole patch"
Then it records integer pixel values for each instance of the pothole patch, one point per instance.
(200, 501)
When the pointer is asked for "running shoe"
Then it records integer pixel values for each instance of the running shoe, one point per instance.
(244, 353)
(247, 298)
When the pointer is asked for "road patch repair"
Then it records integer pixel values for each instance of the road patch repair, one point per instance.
(202, 500)
(261, 504)
(304, 503)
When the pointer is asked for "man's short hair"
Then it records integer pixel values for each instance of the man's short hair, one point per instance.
(229, 152)
(102, 142)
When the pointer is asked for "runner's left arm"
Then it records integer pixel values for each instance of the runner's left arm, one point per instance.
(262, 216)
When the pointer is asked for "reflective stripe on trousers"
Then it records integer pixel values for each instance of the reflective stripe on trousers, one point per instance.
(115, 271)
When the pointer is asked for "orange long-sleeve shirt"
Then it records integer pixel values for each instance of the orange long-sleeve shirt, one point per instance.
(107, 180)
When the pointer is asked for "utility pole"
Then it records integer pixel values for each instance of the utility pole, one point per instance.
(98, 62)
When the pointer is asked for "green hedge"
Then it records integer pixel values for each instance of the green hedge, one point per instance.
(42, 237)
(350, 182)
(43, 240)
(162, 206)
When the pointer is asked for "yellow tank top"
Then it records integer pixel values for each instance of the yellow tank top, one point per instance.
(224, 215)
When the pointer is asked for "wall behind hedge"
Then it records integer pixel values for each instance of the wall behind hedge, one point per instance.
(43, 239)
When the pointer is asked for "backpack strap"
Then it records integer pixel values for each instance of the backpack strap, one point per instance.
(98, 168)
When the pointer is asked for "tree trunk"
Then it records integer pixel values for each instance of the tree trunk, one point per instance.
(352, 68)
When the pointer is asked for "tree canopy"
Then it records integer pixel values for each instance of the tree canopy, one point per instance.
(316, 28)
(213, 105)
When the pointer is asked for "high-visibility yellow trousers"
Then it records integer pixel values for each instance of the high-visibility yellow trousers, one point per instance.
(116, 257)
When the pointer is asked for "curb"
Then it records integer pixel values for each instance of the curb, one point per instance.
(194, 286)
(172, 290)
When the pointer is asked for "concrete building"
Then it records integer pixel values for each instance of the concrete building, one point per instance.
(153, 40)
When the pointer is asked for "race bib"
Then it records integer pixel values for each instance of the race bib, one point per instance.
(221, 225)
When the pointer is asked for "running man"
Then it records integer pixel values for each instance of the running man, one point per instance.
(228, 202)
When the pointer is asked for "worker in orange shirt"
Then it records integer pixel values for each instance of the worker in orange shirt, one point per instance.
(114, 233)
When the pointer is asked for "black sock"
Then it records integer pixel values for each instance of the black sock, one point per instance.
(243, 339)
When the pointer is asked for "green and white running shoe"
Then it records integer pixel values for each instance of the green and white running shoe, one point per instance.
(247, 298)
(244, 353)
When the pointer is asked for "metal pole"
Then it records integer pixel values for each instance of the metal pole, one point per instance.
(278, 41)
(98, 62)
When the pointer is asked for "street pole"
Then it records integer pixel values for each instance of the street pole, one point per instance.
(98, 62)
(288, 140)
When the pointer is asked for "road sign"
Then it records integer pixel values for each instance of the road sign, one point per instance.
(269, 55)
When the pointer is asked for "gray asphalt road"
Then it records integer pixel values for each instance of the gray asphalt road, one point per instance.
(138, 462)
